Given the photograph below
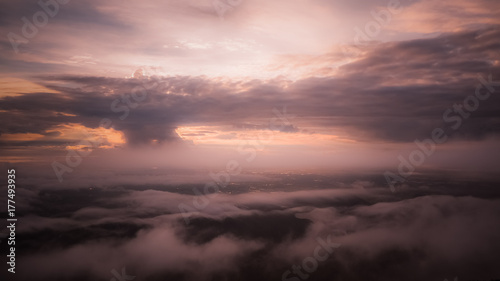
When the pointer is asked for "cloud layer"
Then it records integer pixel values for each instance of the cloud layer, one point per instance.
(259, 235)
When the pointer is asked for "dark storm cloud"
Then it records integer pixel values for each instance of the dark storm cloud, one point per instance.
(72, 12)
(452, 53)
(396, 92)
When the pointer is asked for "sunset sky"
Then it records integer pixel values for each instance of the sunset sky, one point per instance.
(362, 80)
(375, 122)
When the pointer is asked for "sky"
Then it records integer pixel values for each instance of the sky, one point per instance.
(358, 81)
(235, 136)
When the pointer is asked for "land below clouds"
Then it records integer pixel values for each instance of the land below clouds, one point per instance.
(434, 227)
